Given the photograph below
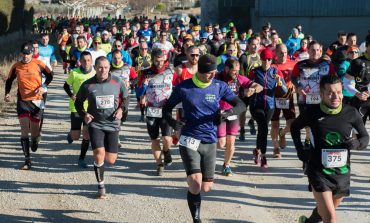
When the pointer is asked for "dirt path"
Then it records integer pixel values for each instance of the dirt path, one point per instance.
(57, 190)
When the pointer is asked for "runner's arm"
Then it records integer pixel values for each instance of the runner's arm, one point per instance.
(295, 130)
(362, 136)
(174, 99)
(9, 81)
(80, 98)
(67, 89)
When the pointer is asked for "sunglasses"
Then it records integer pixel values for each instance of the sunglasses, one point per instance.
(117, 45)
(144, 48)
(353, 52)
(164, 35)
(268, 59)
(97, 42)
(194, 55)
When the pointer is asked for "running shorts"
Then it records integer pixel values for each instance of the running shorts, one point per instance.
(153, 125)
(103, 138)
(30, 110)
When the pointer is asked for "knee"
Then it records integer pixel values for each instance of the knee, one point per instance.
(195, 184)
(206, 187)
(221, 143)
(110, 160)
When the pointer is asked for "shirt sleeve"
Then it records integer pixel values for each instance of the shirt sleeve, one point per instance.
(70, 78)
(226, 93)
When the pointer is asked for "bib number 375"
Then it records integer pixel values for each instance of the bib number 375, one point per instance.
(334, 157)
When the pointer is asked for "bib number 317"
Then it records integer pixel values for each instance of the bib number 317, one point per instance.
(189, 142)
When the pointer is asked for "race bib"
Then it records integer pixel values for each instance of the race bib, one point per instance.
(154, 112)
(189, 142)
(313, 99)
(105, 102)
(334, 157)
(232, 117)
(282, 103)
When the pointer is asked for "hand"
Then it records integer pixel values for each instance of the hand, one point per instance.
(277, 79)
(73, 97)
(88, 118)
(146, 81)
(303, 155)
(40, 91)
(249, 91)
(362, 95)
(7, 98)
(221, 116)
(351, 144)
(118, 114)
(178, 125)
(300, 91)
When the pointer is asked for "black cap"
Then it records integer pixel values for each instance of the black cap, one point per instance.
(27, 48)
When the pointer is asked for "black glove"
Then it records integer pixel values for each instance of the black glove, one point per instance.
(303, 155)
(178, 125)
(222, 116)
(351, 144)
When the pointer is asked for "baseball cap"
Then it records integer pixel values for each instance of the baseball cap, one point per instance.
(97, 39)
(105, 32)
(352, 48)
(266, 54)
(196, 28)
(188, 37)
(224, 30)
(204, 35)
(27, 48)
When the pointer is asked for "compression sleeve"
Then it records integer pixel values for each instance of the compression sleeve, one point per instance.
(67, 89)
(9, 81)
(295, 130)
(362, 136)
(80, 98)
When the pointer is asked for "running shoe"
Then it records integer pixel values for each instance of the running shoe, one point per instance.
(242, 135)
(160, 170)
(302, 219)
(264, 162)
(34, 144)
(276, 153)
(282, 141)
(227, 171)
(26, 165)
(69, 138)
(167, 158)
(252, 128)
(82, 164)
(256, 156)
(102, 192)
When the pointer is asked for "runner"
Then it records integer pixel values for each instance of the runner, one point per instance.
(230, 51)
(164, 45)
(75, 53)
(96, 51)
(306, 77)
(284, 101)
(360, 73)
(155, 85)
(201, 95)
(28, 71)
(344, 67)
(262, 104)
(75, 79)
(228, 129)
(331, 124)
(106, 95)
(142, 62)
(293, 43)
(248, 61)
(117, 45)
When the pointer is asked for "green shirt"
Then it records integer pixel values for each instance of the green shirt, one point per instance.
(75, 79)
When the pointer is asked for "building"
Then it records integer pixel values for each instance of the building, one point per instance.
(320, 18)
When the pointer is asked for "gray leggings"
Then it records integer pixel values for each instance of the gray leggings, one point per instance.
(201, 161)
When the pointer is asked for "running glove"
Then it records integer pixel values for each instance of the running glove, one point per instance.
(222, 116)
(352, 144)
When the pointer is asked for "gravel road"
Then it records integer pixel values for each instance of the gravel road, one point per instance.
(57, 190)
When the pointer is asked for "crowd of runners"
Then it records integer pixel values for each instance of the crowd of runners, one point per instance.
(193, 85)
